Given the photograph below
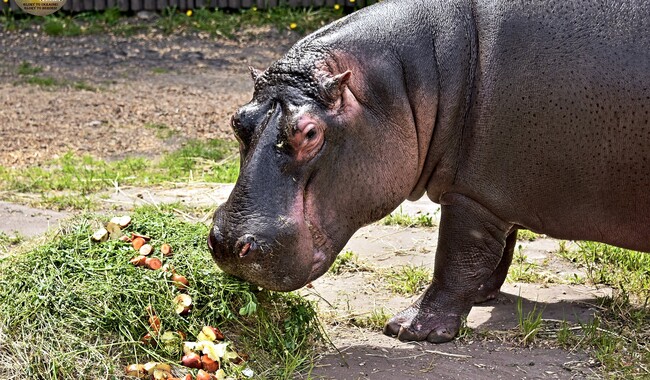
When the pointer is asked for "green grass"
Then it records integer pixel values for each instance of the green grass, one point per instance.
(408, 279)
(9, 241)
(228, 24)
(26, 68)
(216, 23)
(399, 218)
(624, 269)
(159, 70)
(163, 131)
(61, 26)
(530, 323)
(68, 181)
(76, 309)
(375, 320)
(28, 73)
(527, 235)
(42, 81)
(618, 337)
(347, 261)
(83, 86)
(521, 270)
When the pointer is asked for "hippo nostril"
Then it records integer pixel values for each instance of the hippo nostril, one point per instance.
(246, 245)
(244, 251)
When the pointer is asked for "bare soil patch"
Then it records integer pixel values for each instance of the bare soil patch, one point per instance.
(109, 87)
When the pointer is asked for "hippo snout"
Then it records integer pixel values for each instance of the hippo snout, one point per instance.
(275, 256)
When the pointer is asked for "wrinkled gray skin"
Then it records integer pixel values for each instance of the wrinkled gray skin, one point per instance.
(509, 114)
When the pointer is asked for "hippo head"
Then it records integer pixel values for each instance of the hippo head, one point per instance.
(314, 169)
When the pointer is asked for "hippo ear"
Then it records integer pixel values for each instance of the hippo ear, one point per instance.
(332, 87)
(255, 73)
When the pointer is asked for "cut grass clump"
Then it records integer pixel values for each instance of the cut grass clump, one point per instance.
(75, 309)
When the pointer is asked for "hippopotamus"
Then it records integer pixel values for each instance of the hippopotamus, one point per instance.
(509, 114)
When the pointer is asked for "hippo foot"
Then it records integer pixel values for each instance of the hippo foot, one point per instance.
(414, 324)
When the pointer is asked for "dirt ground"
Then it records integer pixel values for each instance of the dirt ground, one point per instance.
(192, 85)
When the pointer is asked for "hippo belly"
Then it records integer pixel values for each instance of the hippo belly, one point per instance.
(560, 136)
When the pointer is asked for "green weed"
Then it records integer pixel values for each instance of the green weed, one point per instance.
(408, 279)
(529, 323)
(347, 261)
(163, 131)
(76, 309)
(399, 218)
(159, 70)
(625, 269)
(618, 336)
(26, 68)
(82, 85)
(61, 26)
(527, 235)
(41, 81)
(9, 241)
(523, 271)
(374, 321)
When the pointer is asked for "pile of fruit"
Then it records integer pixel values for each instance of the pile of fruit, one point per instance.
(208, 353)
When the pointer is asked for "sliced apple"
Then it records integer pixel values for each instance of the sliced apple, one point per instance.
(137, 243)
(166, 249)
(100, 235)
(136, 370)
(122, 221)
(146, 249)
(208, 364)
(180, 281)
(183, 304)
(191, 360)
(153, 263)
(138, 261)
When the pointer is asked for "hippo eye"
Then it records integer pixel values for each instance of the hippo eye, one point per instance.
(311, 134)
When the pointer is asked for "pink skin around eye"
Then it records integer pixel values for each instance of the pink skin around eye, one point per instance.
(307, 138)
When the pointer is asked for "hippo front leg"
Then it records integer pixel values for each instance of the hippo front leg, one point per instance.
(470, 247)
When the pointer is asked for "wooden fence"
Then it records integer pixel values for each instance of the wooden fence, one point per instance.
(158, 5)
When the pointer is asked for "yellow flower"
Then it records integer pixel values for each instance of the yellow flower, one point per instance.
(6, 1)
(189, 13)
(337, 7)
(254, 9)
(352, 1)
(293, 25)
